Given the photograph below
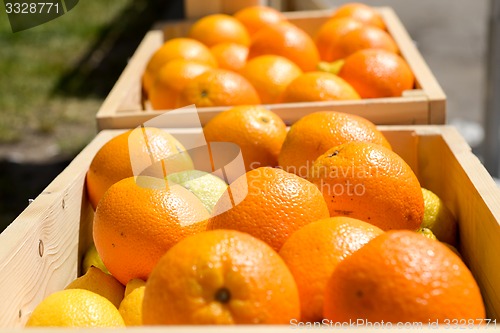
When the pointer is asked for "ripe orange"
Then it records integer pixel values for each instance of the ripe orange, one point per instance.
(369, 182)
(313, 252)
(218, 87)
(317, 132)
(230, 56)
(402, 276)
(270, 75)
(364, 37)
(113, 162)
(139, 219)
(377, 73)
(177, 48)
(171, 79)
(286, 40)
(220, 277)
(360, 12)
(257, 17)
(219, 28)
(277, 204)
(259, 133)
(318, 86)
(330, 32)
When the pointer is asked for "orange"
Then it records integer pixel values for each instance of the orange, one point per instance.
(113, 161)
(318, 86)
(313, 252)
(317, 132)
(171, 79)
(139, 219)
(219, 28)
(230, 56)
(270, 75)
(177, 48)
(377, 73)
(402, 276)
(257, 131)
(364, 37)
(220, 277)
(286, 40)
(257, 17)
(218, 87)
(330, 32)
(277, 204)
(361, 12)
(371, 183)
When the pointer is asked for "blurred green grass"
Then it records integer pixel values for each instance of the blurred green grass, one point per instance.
(33, 62)
(54, 77)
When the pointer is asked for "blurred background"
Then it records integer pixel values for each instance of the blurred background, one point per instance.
(55, 76)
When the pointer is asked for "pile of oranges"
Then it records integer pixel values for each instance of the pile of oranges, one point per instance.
(325, 224)
(258, 56)
(321, 228)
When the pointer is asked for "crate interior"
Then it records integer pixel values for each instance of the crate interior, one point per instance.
(309, 21)
(42, 248)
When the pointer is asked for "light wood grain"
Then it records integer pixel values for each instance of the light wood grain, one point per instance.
(126, 107)
(199, 8)
(472, 195)
(54, 218)
(423, 75)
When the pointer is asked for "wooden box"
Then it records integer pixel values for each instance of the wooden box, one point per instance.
(125, 106)
(41, 250)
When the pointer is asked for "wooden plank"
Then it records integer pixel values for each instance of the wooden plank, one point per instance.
(426, 80)
(39, 250)
(199, 8)
(472, 195)
(409, 110)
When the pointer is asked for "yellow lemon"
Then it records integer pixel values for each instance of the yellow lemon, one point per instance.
(92, 258)
(131, 306)
(206, 186)
(331, 67)
(75, 308)
(100, 283)
(438, 218)
(427, 233)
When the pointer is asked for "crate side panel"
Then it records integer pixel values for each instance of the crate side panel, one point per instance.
(423, 75)
(40, 250)
(464, 185)
(42, 255)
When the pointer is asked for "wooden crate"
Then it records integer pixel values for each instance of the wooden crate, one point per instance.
(41, 249)
(125, 106)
